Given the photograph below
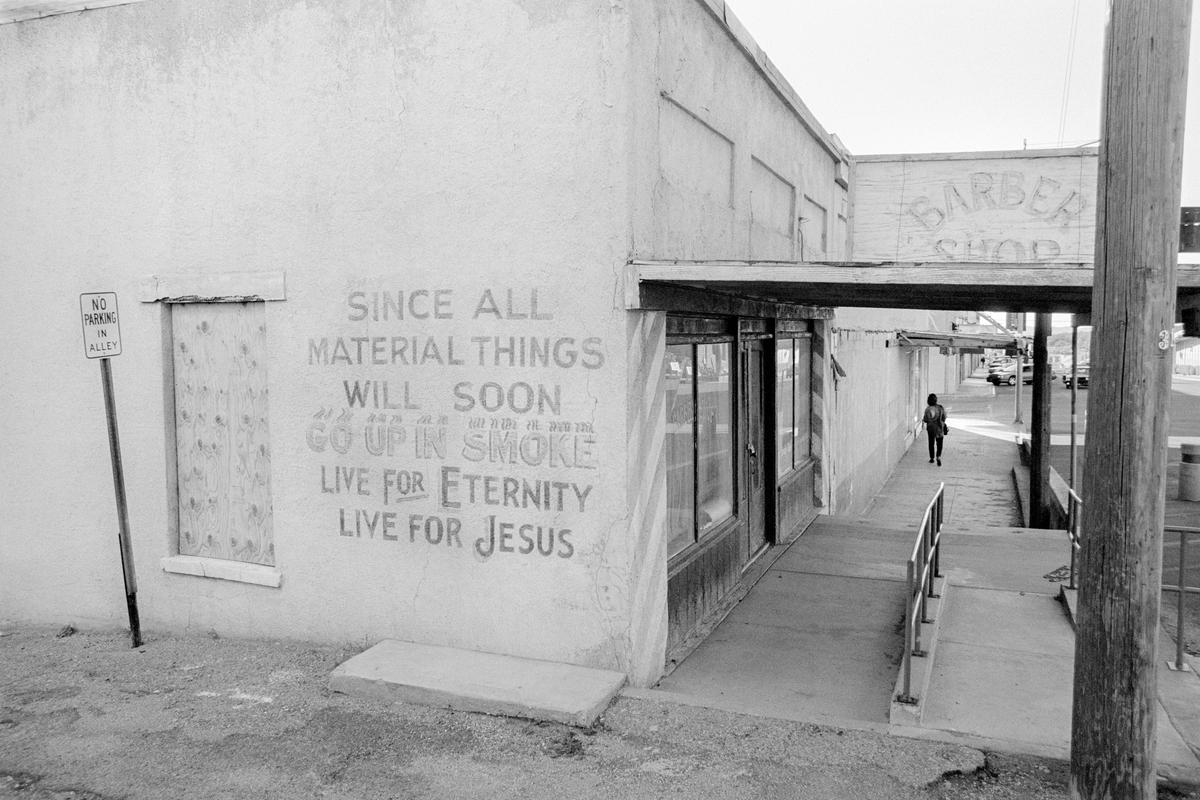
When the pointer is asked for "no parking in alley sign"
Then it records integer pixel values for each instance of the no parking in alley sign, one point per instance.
(101, 327)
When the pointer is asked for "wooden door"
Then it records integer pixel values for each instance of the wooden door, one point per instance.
(754, 453)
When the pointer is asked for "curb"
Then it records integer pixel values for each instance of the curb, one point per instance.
(1020, 476)
(908, 715)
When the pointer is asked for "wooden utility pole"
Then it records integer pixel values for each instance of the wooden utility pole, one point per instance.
(1133, 310)
(1039, 427)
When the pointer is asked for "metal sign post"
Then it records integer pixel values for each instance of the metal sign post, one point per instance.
(102, 340)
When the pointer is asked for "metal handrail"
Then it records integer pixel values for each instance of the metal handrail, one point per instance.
(1180, 590)
(924, 565)
(1074, 531)
(1075, 534)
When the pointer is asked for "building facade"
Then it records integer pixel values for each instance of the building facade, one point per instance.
(380, 377)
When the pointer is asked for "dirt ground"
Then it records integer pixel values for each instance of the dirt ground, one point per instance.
(85, 717)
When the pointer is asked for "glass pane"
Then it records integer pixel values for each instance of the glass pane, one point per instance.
(803, 385)
(714, 412)
(680, 450)
(784, 390)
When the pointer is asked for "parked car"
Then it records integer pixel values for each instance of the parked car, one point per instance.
(1082, 371)
(1008, 375)
(1001, 365)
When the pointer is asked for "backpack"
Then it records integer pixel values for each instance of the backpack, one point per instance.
(935, 416)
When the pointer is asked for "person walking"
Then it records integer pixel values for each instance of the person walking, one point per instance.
(935, 428)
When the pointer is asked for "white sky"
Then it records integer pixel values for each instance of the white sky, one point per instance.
(910, 76)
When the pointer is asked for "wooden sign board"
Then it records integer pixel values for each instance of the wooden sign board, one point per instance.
(101, 326)
(18, 10)
(1024, 206)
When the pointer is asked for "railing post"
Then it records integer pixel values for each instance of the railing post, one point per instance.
(937, 530)
(925, 586)
(1179, 632)
(918, 606)
(909, 641)
(927, 570)
(1071, 542)
(1073, 526)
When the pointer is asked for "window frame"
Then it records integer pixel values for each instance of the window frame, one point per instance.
(801, 429)
(220, 287)
(693, 333)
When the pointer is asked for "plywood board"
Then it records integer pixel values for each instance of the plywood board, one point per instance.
(223, 451)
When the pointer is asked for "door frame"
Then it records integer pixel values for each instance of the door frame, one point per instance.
(760, 347)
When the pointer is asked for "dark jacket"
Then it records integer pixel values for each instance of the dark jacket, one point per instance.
(935, 420)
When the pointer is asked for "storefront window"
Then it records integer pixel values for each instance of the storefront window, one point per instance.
(785, 379)
(803, 403)
(793, 402)
(714, 442)
(699, 440)
(680, 447)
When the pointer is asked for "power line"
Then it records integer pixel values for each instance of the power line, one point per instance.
(1066, 92)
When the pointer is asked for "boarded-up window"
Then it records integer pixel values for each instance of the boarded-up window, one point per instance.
(222, 449)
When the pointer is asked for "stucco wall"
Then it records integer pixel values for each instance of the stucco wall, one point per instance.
(724, 164)
(474, 151)
(873, 411)
(735, 161)
(720, 166)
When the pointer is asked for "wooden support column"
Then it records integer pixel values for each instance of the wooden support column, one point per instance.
(1039, 427)
(1133, 308)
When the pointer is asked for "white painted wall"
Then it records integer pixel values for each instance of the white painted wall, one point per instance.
(461, 147)
(465, 149)
(736, 161)
(874, 412)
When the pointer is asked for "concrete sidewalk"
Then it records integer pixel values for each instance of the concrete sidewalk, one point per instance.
(819, 637)
(816, 638)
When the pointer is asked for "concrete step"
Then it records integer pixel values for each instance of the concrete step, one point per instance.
(468, 680)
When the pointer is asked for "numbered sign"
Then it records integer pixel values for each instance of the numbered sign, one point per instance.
(101, 325)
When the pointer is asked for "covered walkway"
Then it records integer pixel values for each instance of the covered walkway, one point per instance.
(819, 637)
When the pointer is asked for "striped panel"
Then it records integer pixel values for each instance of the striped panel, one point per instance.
(817, 411)
(645, 469)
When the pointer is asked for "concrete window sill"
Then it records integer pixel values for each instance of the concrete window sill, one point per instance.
(223, 570)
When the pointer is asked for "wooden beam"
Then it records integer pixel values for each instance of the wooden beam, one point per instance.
(215, 287)
(959, 273)
(977, 155)
(699, 301)
(940, 285)
(1137, 244)
(1039, 427)
(922, 272)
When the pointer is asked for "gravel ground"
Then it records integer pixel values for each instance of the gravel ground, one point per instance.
(84, 717)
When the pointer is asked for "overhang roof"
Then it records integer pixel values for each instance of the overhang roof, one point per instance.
(955, 339)
(1017, 287)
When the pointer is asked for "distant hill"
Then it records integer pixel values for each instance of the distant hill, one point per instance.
(1059, 344)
